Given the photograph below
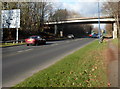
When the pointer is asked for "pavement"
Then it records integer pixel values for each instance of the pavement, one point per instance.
(21, 62)
(113, 77)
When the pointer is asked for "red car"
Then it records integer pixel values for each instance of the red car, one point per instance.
(93, 35)
(35, 40)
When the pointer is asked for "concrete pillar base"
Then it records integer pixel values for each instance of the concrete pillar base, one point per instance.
(114, 30)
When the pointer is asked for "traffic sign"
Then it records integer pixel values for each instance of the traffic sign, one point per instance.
(11, 18)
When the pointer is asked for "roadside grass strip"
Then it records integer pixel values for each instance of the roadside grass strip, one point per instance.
(83, 68)
(115, 41)
(10, 44)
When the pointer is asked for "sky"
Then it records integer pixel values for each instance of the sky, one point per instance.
(85, 8)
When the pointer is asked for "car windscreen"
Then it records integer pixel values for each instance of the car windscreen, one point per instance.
(34, 37)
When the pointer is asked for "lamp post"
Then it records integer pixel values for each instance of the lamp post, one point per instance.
(99, 21)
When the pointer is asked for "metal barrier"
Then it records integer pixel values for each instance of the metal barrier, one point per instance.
(13, 41)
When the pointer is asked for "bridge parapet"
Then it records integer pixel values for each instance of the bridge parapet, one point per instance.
(93, 20)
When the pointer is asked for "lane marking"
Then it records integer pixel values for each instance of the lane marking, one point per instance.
(19, 51)
(67, 41)
(28, 49)
(24, 50)
(54, 44)
(76, 39)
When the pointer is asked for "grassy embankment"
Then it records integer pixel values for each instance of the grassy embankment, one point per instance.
(83, 68)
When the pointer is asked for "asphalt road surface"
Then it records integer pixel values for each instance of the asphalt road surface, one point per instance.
(20, 62)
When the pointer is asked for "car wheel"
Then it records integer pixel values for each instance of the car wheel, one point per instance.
(37, 44)
(27, 44)
(44, 43)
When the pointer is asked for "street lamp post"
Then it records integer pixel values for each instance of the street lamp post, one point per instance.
(99, 21)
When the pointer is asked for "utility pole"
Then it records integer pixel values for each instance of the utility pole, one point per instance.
(99, 21)
(1, 29)
(118, 29)
(17, 31)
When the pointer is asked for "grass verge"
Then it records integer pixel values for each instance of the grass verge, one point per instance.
(10, 44)
(115, 41)
(83, 68)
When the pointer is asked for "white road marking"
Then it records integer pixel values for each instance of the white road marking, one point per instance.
(67, 41)
(54, 44)
(19, 51)
(78, 39)
(24, 50)
(28, 49)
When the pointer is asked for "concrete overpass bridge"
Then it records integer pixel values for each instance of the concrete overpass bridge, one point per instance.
(93, 20)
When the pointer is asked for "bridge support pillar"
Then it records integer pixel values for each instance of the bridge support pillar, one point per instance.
(61, 33)
(55, 27)
(114, 30)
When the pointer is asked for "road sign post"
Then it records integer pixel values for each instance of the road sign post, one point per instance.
(16, 35)
(99, 23)
(11, 19)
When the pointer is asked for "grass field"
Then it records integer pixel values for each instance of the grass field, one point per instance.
(83, 68)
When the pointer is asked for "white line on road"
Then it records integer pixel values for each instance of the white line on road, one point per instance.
(19, 51)
(54, 44)
(28, 49)
(67, 41)
(24, 50)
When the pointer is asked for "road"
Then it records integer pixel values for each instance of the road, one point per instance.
(20, 62)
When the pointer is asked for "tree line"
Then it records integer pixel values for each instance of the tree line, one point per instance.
(112, 9)
(32, 17)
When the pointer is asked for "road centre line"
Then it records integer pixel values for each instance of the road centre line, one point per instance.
(54, 44)
(67, 41)
(24, 50)
(28, 49)
(19, 51)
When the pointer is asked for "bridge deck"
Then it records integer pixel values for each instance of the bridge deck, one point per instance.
(90, 20)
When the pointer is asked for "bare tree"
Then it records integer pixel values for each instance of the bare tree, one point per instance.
(33, 15)
(63, 14)
(58, 15)
(109, 30)
(113, 9)
(73, 14)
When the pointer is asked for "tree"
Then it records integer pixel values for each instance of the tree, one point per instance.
(59, 15)
(63, 14)
(113, 9)
(109, 30)
(33, 15)
(73, 14)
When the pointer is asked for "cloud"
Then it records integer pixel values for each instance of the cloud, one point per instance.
(87, 0)
(83, 0)
(84, 8)
(72, 6)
